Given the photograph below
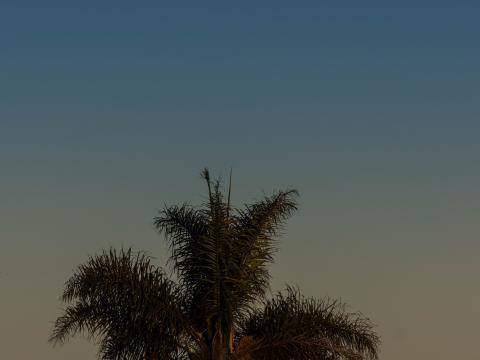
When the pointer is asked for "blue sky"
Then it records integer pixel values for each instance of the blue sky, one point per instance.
(108, 110)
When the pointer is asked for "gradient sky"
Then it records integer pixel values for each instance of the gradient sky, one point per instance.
(108, 110)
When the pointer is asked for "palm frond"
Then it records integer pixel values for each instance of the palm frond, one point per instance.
(192, 250)
(126, 303)
(184, 227)
(293, 327)
(255, 231)
(266, 217)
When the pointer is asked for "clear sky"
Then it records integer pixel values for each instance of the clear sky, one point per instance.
(109, 109)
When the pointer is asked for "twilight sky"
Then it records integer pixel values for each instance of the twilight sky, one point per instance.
(108, 110)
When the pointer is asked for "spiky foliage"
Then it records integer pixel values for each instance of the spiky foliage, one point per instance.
(290, 326)
(218, 309)
(121, 299)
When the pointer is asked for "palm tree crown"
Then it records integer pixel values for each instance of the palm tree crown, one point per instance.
(217, 309)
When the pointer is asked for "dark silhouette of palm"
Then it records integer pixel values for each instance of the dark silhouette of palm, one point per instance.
(217, 309)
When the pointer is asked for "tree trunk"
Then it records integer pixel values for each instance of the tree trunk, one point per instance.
(218, 349)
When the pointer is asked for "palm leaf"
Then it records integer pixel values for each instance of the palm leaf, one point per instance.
(121, 299)
(293, 327)
(254, 242)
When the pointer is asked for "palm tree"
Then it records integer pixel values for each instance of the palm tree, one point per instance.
(217, 308)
